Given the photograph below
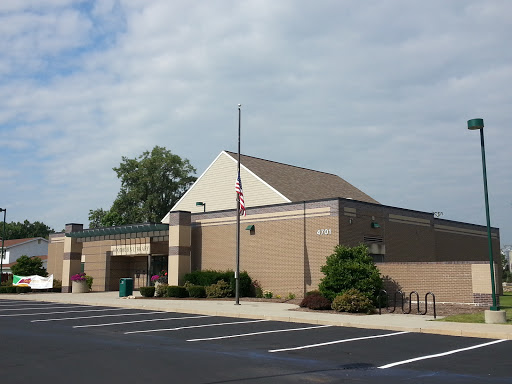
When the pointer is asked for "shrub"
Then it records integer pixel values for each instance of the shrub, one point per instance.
(315, 292)
(23, 289)
(11, 289)
(147, 291)
(196, 291)
(89, 281)
(244, 284)
(176, 291)
(57, 285)
(8, 282)
(268, 294)
(221, 289)
(352, 301)
(3, 289)
(256, 290)
(350, 268)
(209, 277)
(161, 290)
(290, 296)
(315, 301)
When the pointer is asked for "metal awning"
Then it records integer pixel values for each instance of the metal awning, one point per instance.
(119, 230)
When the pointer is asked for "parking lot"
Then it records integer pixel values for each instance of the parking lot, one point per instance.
(79, 343)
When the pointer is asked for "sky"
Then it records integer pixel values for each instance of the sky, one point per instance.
(376, 92)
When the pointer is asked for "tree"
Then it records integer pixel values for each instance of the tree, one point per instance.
(27, 266)
(26, 230)
(150, 186)
(350, 268)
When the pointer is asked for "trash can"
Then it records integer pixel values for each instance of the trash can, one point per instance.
(125, 287)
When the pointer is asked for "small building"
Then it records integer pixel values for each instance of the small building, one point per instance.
(295, 218)
(14, 249)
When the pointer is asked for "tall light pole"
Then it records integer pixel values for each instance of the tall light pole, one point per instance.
(475, 124)
(4, 210)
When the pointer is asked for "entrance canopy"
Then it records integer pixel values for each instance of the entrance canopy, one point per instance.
(130, 231)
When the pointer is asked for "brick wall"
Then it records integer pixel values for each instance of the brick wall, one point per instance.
(451, 282)
(284, 252)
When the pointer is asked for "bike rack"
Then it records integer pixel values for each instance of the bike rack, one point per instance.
(384, 292)
(434, 302)
(410, 302)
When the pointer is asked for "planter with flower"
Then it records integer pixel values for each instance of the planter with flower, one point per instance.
(160, 283)
(79, 283)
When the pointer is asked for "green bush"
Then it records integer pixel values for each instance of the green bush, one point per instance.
(221, 289)
(352, 301)
(11, 289)
(209, 277)
(8, 282)
(256, 290)
(176, 291)
(245, 284)
(350, 268)
(89, 281)
(315, 301)
(197, 291)
(57, 285)
(315, 292)
(147, 291)
(161, 290)
(3, 289)
(23, 289)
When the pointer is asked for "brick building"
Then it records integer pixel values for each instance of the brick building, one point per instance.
(295, 218)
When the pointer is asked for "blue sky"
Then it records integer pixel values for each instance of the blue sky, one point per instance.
(376, 92)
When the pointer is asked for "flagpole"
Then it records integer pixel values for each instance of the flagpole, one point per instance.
(237, 271)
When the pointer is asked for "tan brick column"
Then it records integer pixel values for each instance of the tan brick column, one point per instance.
(72, 256)
(179, 246)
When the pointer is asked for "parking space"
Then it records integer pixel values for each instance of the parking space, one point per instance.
(291, 347)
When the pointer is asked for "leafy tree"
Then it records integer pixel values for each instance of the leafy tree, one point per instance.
(17, 230)
(26, 266)
(150, 186)
(350, 268)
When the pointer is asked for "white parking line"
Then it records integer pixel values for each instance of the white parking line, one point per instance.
(96, 316)
(439, 354)
(196, 326)
(260, 333)
(56, 313)
(139, 321)
(337, 342)
(60, 307)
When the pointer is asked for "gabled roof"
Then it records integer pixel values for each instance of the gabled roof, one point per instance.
(14, 242)
(301, 184)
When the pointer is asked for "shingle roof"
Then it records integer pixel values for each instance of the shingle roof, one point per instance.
(301, 184)
(10, 243)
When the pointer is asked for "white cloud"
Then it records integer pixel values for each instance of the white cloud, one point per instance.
(378, 93)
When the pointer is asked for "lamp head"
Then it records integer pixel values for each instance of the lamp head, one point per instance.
(474, 124)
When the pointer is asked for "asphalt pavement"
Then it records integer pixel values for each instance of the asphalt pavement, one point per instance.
(275, 311)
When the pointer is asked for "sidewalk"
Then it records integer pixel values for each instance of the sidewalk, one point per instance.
(276, 311)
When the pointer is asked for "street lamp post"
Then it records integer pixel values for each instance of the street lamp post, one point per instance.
(4, 210)
(475, 124)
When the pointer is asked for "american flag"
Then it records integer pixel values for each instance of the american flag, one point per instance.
(240, 195)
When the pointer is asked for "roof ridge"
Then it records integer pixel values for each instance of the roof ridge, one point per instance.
(277, 162)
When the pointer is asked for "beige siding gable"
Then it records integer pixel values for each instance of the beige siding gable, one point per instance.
(216, 187)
